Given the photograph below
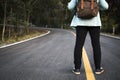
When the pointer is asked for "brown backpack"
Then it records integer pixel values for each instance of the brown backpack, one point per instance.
(87, 9)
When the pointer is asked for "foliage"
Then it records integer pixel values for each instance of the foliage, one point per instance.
(52, 13)
(111, 18)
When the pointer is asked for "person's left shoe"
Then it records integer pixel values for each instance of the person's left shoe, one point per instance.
(76, 71)
(99, 71)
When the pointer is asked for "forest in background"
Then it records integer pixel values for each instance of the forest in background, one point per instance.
(15, 14)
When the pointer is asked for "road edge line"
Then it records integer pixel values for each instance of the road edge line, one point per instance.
(111, 36)
(24, 40)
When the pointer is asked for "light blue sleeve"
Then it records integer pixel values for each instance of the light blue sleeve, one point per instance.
(103, 5)
(72, 4)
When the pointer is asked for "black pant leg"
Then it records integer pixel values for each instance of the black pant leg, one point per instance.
(95, 40)
(80, 38)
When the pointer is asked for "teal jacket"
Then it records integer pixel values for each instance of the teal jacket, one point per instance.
(96, 21)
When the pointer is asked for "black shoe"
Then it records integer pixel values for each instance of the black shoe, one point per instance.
(76, 71)
(99, 71)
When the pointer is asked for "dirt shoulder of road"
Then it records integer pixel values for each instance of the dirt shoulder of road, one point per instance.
(34, 34)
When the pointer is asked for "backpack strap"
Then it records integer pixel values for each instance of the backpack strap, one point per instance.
(82, 4)
(92, 4)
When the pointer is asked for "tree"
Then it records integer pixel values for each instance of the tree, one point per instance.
(27, 7)
(113, 15)
(4, 2)
(49, 12)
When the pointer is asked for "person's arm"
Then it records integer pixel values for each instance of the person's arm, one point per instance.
(72, 4)
(103, 5)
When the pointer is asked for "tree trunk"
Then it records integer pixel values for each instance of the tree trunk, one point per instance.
(28, 17)
(4, 22)
(9, 35)
(113, 30)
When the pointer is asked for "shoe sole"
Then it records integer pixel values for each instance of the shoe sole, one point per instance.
(77, 73)
(99, 72)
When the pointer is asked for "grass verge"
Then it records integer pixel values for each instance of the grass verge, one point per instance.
(23, 37)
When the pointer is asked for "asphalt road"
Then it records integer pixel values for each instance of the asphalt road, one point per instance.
(51, 58)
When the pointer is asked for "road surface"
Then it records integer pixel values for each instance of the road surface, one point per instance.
(51, 58)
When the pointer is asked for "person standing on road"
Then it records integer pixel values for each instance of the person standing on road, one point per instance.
(83, 26)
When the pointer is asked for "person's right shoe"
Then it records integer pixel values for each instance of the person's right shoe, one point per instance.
(99, 71)
(76, 71)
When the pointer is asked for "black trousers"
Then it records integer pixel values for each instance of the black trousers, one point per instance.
(81, 32)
